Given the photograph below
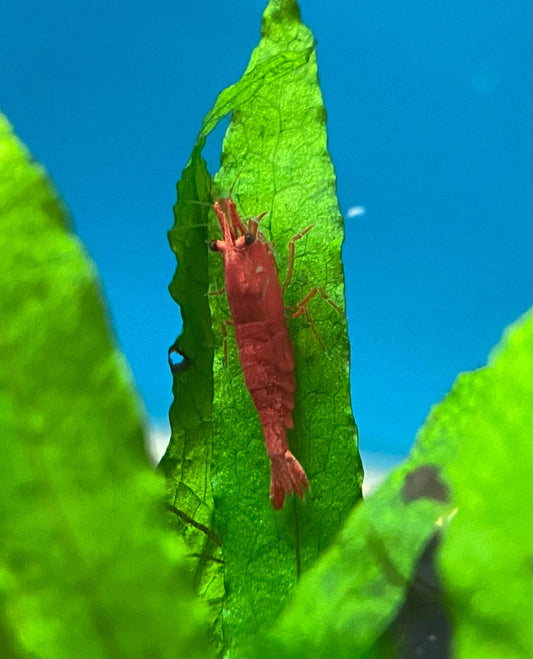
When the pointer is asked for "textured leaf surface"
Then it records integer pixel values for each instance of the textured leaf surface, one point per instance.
(187, 461)
(87, 567)
(274, 159)
(471, 465)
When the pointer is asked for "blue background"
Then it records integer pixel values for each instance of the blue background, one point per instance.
(429, 108)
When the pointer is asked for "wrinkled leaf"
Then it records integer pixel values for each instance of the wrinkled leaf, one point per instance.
(471, 465)
(274, 159)
(187, 461)
(87, 567)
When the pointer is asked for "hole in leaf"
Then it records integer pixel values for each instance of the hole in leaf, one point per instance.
(177, 359)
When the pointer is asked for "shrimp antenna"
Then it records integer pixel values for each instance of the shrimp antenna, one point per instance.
(224, 194)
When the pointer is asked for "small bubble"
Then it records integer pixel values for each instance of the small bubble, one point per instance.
(355, 211)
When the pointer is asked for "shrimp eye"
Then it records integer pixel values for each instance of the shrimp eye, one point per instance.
(213, 245)
(249, 238)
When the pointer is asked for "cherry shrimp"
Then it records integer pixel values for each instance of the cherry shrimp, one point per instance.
(255, 298)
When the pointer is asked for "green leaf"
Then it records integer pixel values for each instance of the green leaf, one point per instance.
(345, 603)
(275, 159)
(87, 565)
(187, 461)
(486, 555)
(471, 465)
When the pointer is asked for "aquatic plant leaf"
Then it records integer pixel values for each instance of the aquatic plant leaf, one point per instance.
(474, 444)
(274, 159)
(88, 565)
(344, 604)
(486, 554)
(187, 460)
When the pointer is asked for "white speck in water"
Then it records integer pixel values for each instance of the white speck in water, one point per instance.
(355, 211)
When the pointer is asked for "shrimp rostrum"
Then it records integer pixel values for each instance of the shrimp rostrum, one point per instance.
(255, 298)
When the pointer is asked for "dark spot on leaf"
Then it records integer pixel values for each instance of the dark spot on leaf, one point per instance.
(321, 114)
(177, 359)
(425, 483)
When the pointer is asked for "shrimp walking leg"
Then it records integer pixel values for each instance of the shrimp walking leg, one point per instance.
(302, 310)
(292, 253)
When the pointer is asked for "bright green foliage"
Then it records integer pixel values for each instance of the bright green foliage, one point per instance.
(344, 604)
(187, 461)
(476, 449)
(87, 567)
(274, 159)
(486, 556)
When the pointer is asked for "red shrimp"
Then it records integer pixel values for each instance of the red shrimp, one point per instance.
(255, 299)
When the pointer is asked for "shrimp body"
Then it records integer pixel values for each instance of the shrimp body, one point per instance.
(266, 355)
